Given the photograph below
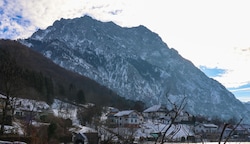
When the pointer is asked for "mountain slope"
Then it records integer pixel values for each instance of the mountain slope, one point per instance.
(66, 84)
(135, 63)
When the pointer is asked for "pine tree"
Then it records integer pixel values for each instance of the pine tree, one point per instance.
(80, 96)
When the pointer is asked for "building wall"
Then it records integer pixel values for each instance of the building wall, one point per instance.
(132, 120)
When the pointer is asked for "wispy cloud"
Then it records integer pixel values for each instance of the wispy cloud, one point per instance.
(19, 18)
(236, 62)
(241, 89)
(242, 92)
(116, 12)
(13, 24)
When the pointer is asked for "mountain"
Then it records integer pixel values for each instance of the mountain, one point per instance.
(135, 63)
(247, 105)
(40, 78)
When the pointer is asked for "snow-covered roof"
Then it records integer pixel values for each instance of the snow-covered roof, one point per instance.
(83, 129)
(16, 127)
(2, 96)
(123, 113)
(210, 125)
(175, 131)
(154, 108)
(112, 109)
(10, 142)
(87, 130)
(240, 127)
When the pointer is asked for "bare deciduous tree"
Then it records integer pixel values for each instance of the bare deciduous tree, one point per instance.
(231, 132)
(9, 72)
(177, 109)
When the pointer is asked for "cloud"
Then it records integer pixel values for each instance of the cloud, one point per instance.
(19, 18)
(213, 34)
(236, 62)
(241, 89)
(13, 24)
(116, 12)
(243, 92)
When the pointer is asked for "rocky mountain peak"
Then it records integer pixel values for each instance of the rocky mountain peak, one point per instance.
(135, 63)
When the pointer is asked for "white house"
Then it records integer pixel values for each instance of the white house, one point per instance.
(128, 118)
(182, 117)
(155, 112)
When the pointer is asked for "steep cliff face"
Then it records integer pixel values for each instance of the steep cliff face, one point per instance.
(135, 63)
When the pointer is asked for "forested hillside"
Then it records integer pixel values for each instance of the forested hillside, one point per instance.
(29, 74)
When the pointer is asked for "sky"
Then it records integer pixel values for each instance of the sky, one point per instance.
(213, 34)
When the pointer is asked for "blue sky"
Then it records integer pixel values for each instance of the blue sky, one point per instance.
(241, 92)
(213, 34)
(212, 72)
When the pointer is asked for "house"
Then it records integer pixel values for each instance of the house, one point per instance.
(247, 127)
(155, 112)
(206, 128)
(30, 109)
(226, 132)
(240, 132)
(111, 119)
(83, 134)
(24, 108)
(207, 131)
(241, 129)
(126, 118)
(183, 117)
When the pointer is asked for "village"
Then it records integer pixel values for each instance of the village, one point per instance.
(155, 124)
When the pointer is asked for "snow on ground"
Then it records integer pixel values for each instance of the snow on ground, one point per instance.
(175, 131)
(8, 142)
(30, 105)
(65, 110)
(18, 127)
(13, 129)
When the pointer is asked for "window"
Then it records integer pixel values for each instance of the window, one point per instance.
(19, 113)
